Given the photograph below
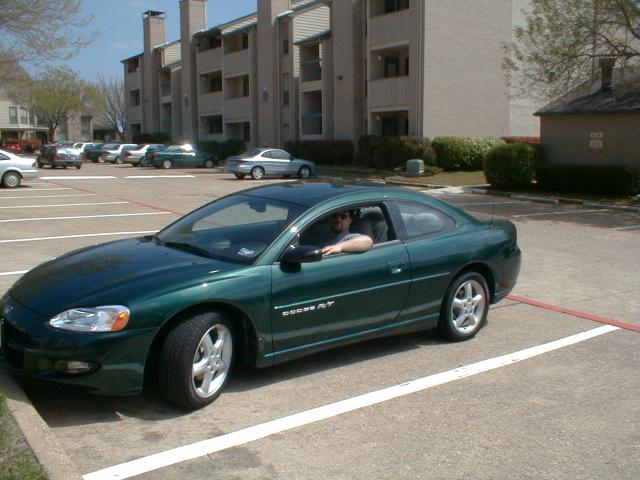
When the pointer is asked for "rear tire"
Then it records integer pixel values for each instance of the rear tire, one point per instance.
(239, 176)
(208, 164)
(118, 160)
(166, 164)
(196, 359)
(304, 172)
(11, 180)
(465, 307)
(78, 167)
(257, 173)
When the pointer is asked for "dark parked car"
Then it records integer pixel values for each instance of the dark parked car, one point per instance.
(241, 278)
(94, 152)
(180, 156)
(56, 156)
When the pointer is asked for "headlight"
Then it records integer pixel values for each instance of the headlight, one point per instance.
(109, 318)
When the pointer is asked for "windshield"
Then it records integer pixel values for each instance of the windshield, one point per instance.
(110, 146)
(236, 228)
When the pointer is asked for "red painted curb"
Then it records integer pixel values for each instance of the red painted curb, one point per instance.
(575, 313)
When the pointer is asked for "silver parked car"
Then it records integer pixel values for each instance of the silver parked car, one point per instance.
(13, 169)
(138, 157)
(113, 153)
(269, 161)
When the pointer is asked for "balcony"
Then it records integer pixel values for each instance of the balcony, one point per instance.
(236, 63)
(209, 60)
(132, 80)
(389, 29)
(134, 114)
(389, 92)
(210, 102)
(237, 109)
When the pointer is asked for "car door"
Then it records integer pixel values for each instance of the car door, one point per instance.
(342, 297)
(281, 162)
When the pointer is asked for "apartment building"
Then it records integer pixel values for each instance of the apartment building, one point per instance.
(18, 123)
(328, 69)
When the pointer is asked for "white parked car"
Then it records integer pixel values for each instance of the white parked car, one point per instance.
(138, 157)
(114, 153)
(13, 169)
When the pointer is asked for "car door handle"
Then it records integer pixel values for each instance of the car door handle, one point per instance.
(397, 266)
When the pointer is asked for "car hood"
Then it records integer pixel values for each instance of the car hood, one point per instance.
(110, 273)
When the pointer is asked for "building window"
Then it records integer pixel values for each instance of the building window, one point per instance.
(285, 89)
(285, 38)
(136, 129)
(245, 40)
(245, 86)
(391, 67)
(285, 131)
(24, 115)
(214, 42)
(13, 115)
(215, 84)
(213, 124)
(133, 66)
(391, 6)
(134, 98)
(85, 125)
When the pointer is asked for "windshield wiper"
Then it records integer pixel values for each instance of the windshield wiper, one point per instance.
(189, 247)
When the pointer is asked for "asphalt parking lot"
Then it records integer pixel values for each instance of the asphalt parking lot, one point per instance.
(539, 393)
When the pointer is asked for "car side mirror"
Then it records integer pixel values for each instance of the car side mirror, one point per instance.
(302, 254)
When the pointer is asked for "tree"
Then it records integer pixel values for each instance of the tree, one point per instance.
(55, 95)
(111, 103)
(36, 31)
(561, 42)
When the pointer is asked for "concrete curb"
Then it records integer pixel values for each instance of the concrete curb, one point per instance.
(52, 458)
(552, 199)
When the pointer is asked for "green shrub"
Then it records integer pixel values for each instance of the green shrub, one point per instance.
(512, 165)
(155, 137)
(460, 153)
(388, 153)
(589, 179)
(322, 152)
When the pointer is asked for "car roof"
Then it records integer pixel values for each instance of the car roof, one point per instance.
(311, 193)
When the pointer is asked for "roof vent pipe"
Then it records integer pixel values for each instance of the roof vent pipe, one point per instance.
(606, 73)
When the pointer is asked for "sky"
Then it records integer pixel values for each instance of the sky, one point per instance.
(119, 26)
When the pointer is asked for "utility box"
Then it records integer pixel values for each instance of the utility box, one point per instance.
(415, 168)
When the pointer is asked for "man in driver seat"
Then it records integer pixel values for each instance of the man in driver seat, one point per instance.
(339, 239)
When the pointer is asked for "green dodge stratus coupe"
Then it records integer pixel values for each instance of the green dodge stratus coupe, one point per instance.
(244, 278)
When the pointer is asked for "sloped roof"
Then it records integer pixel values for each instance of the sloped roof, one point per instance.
(589, 98)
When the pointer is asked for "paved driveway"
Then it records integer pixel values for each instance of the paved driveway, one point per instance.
(537, 394)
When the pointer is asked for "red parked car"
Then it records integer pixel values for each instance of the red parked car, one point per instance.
(13, 147)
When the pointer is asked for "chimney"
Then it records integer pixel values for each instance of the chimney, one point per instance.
(606, 73)
(153, 31)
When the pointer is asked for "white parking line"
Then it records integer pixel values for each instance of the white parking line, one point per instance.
(257, 432)
(16, 272)
(36, 239)
(50, 196)
(553, 213)
(83, 216)
(64, 205)
(86, 177)
(160, 176)
(627, 228)
(48, 189)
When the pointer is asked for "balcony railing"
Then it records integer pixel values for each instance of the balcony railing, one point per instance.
(392, 28)
(312, 124)
(311, 70)
(237, 109)
(210, 102)
(208, 60)
(236, 63)
(389, 92)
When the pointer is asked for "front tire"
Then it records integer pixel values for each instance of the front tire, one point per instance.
(196, 359)
(465, 307)
(257, 173)
(239, 176)
(144, 162)
(208, 164)
(78, 167)
(166, 164)
(118, 160)
(11, 180)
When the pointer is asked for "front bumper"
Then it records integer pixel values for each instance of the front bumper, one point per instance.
(30, 347)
